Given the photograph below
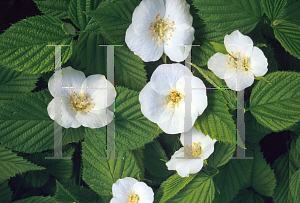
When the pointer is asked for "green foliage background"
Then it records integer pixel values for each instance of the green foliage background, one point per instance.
(26, 130)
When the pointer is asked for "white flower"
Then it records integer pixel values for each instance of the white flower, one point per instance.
(163, 98)
(202, 148)
(84, 100)
(243, 62)
(161, 26)
(129, 190)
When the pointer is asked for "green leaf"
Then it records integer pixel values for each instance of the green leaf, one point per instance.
(263, 178)
(273, 8)
(113, 18)
(129, 69)
(230, 15)
(272, 63)
(200, 189)
(23, 45)
(101, 173)
(232, 178)
(285, 167)
(62, 169)
(277, 106)
(88, 56)
(74, 135)
(222, 153)
(132, 129)
(37, 199)
(11, 164)
(25, 124)
(289, 37)
(247, 196)
(77, 11)
(290, 13)
(219, 47)
(63, 195)
(173, 185)
(263, 79)
(5, 192)
(55, 8)
(216, 121)
(294, 186)
(35, 179)
(14, 84)
(138, 157)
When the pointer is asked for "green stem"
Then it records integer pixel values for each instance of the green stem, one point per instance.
(164, 58)
(204, 75)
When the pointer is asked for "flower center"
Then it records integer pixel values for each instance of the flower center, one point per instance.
(161, 29)
(80, 102)
(193, 151)
(235, 60)
(175, 97)
(134, 198)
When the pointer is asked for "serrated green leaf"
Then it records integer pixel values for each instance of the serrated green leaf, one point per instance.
(230, 15)
(129, 69)
(294, 186)
(55, 8)
(23, 45)
(62, 195)
(247, 196)
(173, 185)
(289, 37)
(77, 10)
(200, 55)
(132, 129)
(11, 164)
(285, 166)
(290, 12)
(219, 47)
(35, 179)
(138, 157)
(231, 179)
(14, 84)
(113, 18)
(89, 57)
(74, 135)
(272, 63)
(263, 178)
(101, 173)
(273, 8)
(37, 199)
(25, 125)
(222, 152)
(263, 79)
(5, 192)
(216, 121)
(62, 169)
(200, 189)
(277, 106)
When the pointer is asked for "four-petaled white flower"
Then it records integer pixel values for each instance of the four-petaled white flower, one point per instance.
(129, 190)
(163, 98)
(191, 160)
(84, 101)
(243, 62)
(161, 26)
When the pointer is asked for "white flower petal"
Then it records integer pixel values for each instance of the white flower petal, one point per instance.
(145, 13)
(237, 42)
(217, 64)
(238, 80)
(67, 116)
(95, 118)
(153, 105)
(71, 78)
(144, 192)
(173, 161)
(118, 200)
(100, 90)
(143, 46)
(196, 136)
(258, 62)
(183, 170)
(198, 92)
(196, 166)
(173, 47)
(123, 187)
(177, 122)
(165, 77)
(179, 12)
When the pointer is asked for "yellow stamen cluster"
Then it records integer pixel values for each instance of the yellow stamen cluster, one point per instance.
(162, 30)
(80, 102)
(238, 62)
(193, 151)
(134, 198)
(175, 97)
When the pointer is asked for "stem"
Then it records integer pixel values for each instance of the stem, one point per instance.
(204, 75)
(164, 58)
